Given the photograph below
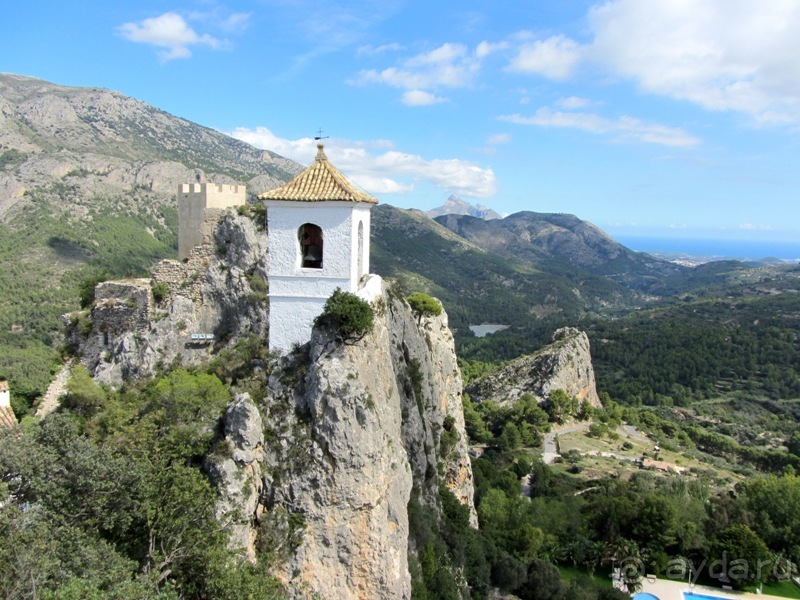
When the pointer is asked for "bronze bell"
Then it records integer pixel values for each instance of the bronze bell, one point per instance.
(313, 254)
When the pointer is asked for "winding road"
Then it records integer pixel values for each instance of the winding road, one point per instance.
(550, 450)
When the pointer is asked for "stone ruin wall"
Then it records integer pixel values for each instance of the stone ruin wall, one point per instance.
(185, 278)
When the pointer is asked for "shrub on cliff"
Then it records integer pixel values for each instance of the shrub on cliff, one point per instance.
(422, 304)
(351, 316)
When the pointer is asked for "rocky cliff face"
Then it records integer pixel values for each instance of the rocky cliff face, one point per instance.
(565, 364)
(135, 325)
(353, 428)
(317, 466)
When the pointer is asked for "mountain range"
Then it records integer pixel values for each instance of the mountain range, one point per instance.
(87, 190)
(456, 206)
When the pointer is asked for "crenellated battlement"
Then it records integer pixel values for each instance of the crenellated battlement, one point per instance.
(213, 188)
(194, 199)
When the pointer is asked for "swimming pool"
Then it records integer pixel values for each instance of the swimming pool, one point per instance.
(693, 596)
(644, 596)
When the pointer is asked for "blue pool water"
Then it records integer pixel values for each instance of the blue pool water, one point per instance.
(693, 596)
(644, 596)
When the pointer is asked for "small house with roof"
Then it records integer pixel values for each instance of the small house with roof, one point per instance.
(7, 417)
(319, 227)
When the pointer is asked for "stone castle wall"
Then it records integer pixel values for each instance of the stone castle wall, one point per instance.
(194, 200)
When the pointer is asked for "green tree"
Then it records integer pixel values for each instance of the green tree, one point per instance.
(774, 505)
(560, 406)
(793, 443)
(86, 287)
(544, 581)
(473, 422)
(424, 305)
(510, 438)
(742, 556)
(83, 395)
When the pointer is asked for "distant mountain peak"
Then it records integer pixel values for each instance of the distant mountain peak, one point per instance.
(456, 206)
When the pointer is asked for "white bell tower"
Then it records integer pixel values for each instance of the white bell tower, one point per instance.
(318, 226)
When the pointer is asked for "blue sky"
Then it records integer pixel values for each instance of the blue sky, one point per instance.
(657, 117)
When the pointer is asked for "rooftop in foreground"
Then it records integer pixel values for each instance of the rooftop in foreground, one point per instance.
(321, 182)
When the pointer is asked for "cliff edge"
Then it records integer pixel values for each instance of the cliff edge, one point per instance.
(353, 428)
(564, 364)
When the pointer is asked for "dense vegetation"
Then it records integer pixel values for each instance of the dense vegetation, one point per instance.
(46, 252)
(669, 525)
(699, 348)
(107, 497)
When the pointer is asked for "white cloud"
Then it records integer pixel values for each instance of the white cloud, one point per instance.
(486, 48)
(444, 54)
(573, 102)
(756, 227)
(168, 31)
(236, 22)
(555, 57)
(498, 138)
(625, 127)
(301, 150)
(421, 98)
(736, 55)
(449, 65)
(371, 50)
(378, 168)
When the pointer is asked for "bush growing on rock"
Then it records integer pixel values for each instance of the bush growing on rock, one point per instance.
(350, 315)
(424, 305)
(160, 291)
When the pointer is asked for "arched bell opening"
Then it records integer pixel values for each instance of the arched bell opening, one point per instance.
(310, 237)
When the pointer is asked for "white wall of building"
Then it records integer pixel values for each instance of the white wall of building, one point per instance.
(297, 295)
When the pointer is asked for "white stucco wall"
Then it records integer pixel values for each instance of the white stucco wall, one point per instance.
(297, 295)
(5, 398)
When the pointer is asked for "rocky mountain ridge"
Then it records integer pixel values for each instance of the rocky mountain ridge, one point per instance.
(562, 241)
(456, 206)
(108, 143)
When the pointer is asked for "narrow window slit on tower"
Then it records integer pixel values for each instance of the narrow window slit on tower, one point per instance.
(310, 237)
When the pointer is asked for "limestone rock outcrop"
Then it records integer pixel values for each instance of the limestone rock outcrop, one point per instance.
(235, 467)
(318, 463)
(220, 291)
(353, 427)
(565, 364)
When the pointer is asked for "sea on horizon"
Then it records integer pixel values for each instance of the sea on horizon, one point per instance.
(713, 249)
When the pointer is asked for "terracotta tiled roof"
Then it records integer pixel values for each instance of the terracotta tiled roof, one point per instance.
(319, 183)
(7, 417)
(3, 386)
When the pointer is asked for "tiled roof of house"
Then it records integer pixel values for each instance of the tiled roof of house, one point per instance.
(319, 183)
(3, 386)
(7, 417)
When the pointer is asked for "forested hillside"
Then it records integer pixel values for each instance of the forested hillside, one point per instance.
(87, 190)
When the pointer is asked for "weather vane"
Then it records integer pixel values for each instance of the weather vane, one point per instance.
(319, 135)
